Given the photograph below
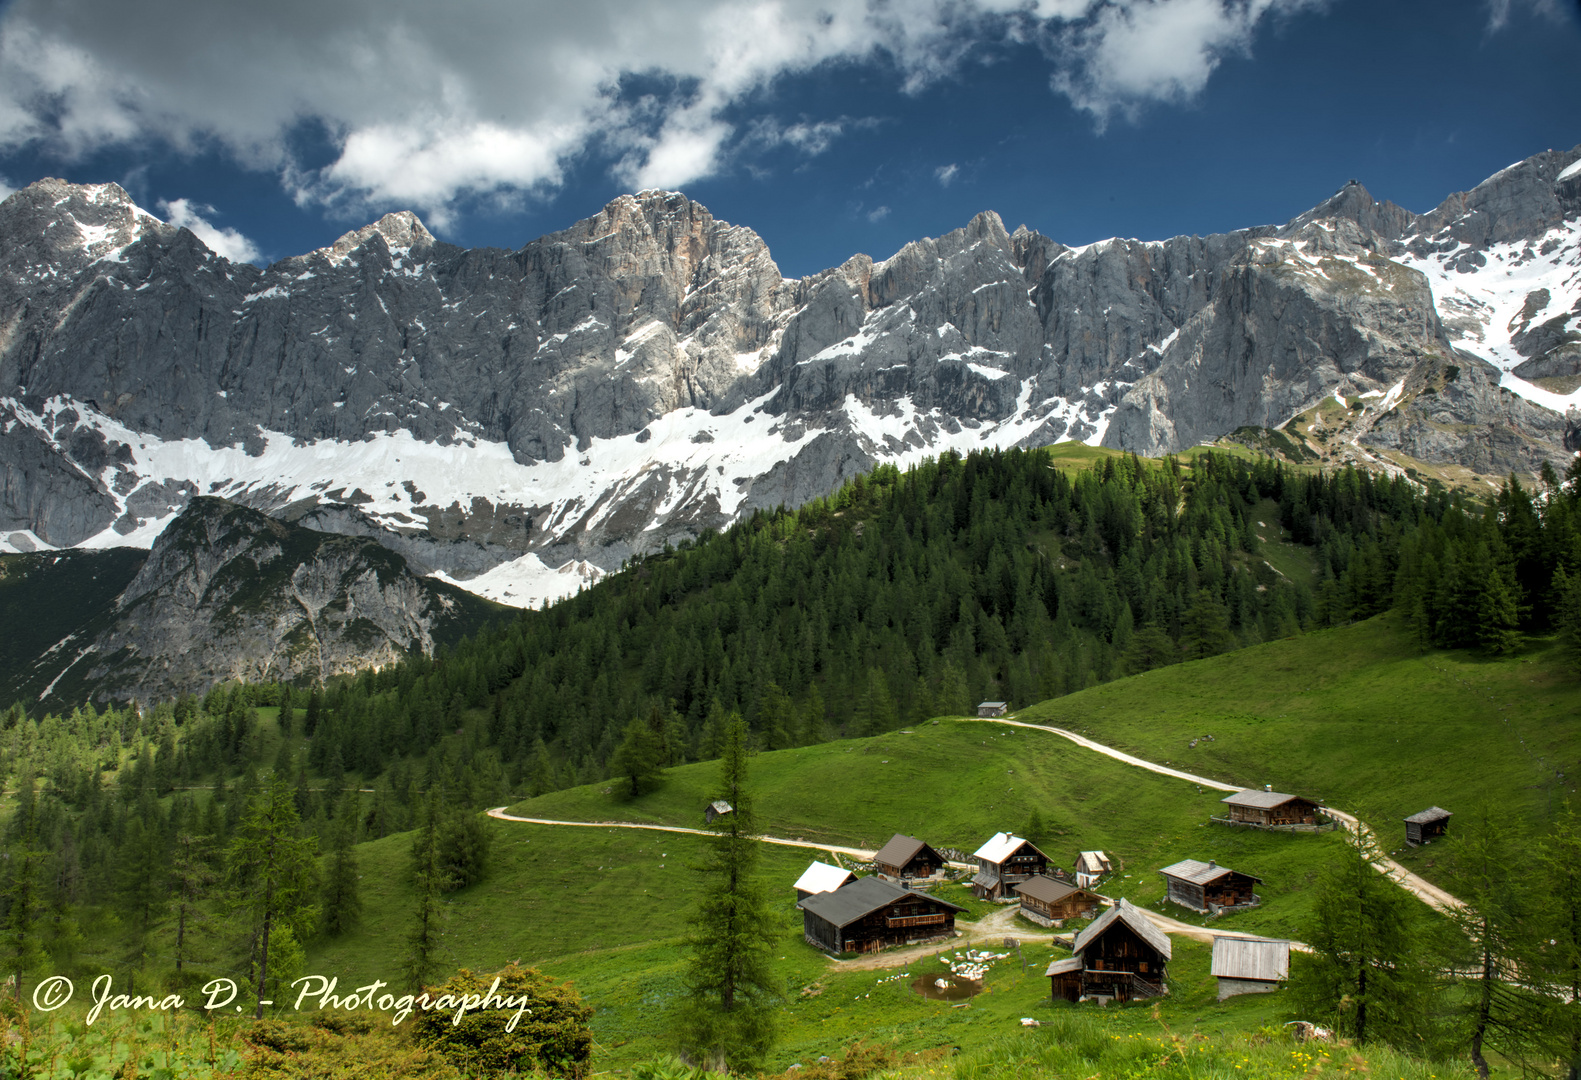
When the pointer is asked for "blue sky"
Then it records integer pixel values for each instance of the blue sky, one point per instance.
(853, 126)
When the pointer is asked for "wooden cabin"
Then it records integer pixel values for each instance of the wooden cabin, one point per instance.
(1249, 965)
(1427, 826)
(1270, 809)
(1090, 866)
(905, 858)
(992, 708)
(1049, 903)
(1123, 955)
(1065, 978)
(871, 914)
(820, 877)
(716, 810)
(1208, 887)
(1003, 863)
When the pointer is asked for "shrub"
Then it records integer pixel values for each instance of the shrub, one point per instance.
(552, 1035)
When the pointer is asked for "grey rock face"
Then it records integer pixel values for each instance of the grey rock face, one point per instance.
(648, 373)
(229, 593)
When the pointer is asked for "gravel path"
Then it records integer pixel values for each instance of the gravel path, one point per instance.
(1419, 887)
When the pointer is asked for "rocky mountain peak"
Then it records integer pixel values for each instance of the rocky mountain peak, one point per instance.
(401, 231)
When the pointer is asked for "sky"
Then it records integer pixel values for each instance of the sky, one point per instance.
(831, 127)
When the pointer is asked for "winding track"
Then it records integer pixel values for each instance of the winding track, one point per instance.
(998, 924)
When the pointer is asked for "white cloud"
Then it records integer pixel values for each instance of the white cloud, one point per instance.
(226, 243)
(1499, 11)
(946, 173)
(427, 104)
(878, 213)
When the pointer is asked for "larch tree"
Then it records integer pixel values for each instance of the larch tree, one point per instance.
(273, 875)
(727, 1017)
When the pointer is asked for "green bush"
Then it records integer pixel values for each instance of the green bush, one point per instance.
(552, 1035)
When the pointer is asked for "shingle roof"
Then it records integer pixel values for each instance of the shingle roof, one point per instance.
(1061, 967)
(719, 806)
(1133, 917)
(820, 877)
(1431, 814)
(862, 897)
(990, 704)
(1198, 872)
(1264, 800)
(1264, 959)
(899, 851)
(1092, 862)
(999, 848)
(1045, 889)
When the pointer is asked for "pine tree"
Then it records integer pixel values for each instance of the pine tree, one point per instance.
(191, 879)
(638, 757)
(1365, 972)
(342, 893)
(272, 875)
(22, 893)
(429, 879)
(727, 1019)
(1557, 956)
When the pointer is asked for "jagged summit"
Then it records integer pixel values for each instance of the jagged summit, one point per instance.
(402, 231)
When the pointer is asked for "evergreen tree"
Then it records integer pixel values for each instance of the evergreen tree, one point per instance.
(1365, 973)
(272, 874)
(638, 757)
(429, 880)
(463, 849)
(728, 1017)
(1557, 957)
(22, 892)
(342, 893)
(191, 879)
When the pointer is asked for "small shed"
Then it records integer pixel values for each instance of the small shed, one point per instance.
(905, 858)
(820, 877)
(1090, 866)
(1427, 826)
(1124, 955)
(1247, 965)
(1270, 809)
(992, 708)
(1049, 903)
(716, 810)
(870, 914)
(1065, 978)
(1004, 862)
(1208, 887)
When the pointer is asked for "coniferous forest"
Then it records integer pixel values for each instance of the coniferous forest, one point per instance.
(903, 596)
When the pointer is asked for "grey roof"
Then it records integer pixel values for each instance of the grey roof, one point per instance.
(1046, 889)
(899, 851)
(1428, 816)
(1133, 917)
(1263, 959)
(719, 806)
(1263, 800)
(986, 878)
(1061, 967)
(1092, 862)
(1198, 872)
(990, 704)
(862, 897)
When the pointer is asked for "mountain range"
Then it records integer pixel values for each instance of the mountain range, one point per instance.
(519, 423)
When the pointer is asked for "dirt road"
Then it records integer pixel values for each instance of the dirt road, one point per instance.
(1421, 888)
(855, 853)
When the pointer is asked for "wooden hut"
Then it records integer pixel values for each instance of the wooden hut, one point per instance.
(1123, 955)
(1249, 965)
(1065, 978)
(1090, 866)
(1003, 863)
(992, 708)
(870, 914)
(1208, 887)
(716, 810)
(820, 877)
(1269, 809)
(1049, 903)
(1427, 826)
(905, 858)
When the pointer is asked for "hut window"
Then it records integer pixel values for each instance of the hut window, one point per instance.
(1142, 967)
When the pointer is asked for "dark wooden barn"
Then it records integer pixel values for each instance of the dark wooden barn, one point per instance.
(1065, 977)
(871, 914)
(1270, 809)
(1003, 863)
(1123, 955)
(1049, 903)
(905, 858)
(992, 708)
(1208, 887)
(1427, 826)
